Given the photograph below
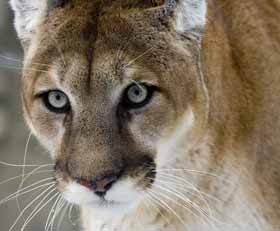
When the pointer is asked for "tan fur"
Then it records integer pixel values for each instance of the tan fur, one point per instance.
(230, 83)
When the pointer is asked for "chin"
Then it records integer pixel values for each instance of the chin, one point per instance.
(120, 199)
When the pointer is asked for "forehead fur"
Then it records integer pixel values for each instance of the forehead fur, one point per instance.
(134, 3)
(86, 26)
(115, 3)
(32, 15)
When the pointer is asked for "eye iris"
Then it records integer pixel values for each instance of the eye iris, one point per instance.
(137, 94)
(57, 99)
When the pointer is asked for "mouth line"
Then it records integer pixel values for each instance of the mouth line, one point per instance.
(103, 203)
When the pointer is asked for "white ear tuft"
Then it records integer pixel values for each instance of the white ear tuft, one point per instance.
(27, 16)
(191, 14)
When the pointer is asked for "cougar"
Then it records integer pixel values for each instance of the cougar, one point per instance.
(159, 115)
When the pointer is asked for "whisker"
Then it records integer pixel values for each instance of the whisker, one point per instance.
(25, 157)
(27, 165)
(149, 199)
(179, 181)
(188, 201)
(155, 200)
(120, 53)
(62, 216)
(28, 175)
(154, 193)
(28, 206)
(58, 209)
(138, 57)
(52, 211)
(20, 61)
(10, 59)
(32, 185)
(31, 190)
(35, 210)
(22, 68)
(179, 204)
(34, 171)
(182, 180)
(23, 170)
(43, 206)
(139, 85)
(70, 215)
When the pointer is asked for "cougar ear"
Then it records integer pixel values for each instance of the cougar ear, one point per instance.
(28, 14)
(188, 14)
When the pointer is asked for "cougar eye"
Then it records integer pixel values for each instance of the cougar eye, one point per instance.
(56, 101)
(137, 95)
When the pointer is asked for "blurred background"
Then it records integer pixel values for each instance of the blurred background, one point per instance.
(14, 137)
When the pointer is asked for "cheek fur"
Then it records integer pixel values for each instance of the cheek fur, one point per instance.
(151, 125)
(178, 137)
(48, 130)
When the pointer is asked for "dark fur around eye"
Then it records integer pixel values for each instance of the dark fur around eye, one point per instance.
(127, 104)
(58, 110)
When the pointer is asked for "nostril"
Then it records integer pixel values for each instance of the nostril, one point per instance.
(86, 183)
(105, 183)
(100, 185)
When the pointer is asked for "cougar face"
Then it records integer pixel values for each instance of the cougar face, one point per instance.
(109, 89)
(142, 101)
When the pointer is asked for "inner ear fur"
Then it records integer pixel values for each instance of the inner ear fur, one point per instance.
(28, 14)
(186, 14)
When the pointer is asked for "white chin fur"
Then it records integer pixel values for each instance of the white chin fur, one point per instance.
(122, 196)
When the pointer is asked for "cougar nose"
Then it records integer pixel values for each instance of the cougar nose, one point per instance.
(100, 185)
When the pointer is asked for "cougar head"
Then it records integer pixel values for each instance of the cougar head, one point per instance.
(112, 89)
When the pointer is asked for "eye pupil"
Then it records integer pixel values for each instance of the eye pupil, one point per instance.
(137, 92)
